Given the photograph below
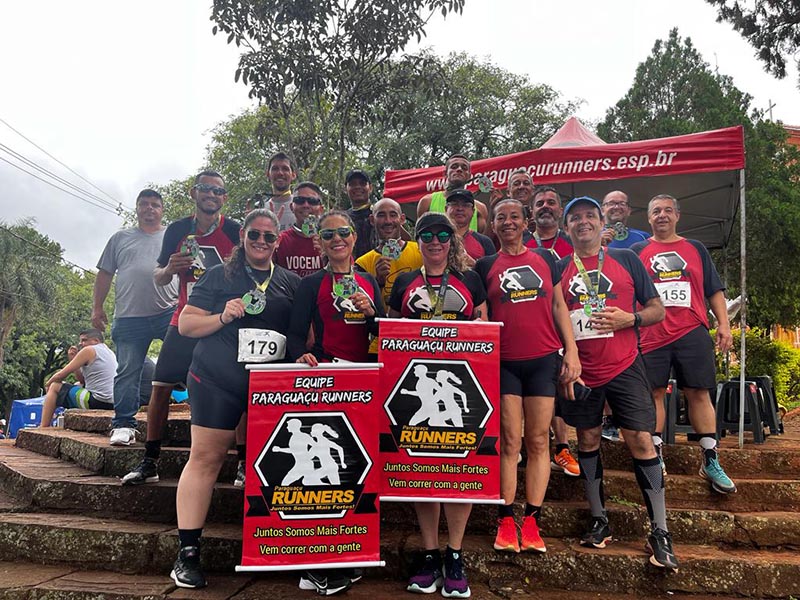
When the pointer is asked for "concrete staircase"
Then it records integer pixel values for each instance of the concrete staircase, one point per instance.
(69, 530)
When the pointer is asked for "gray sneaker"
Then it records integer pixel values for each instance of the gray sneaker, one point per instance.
(239, 481)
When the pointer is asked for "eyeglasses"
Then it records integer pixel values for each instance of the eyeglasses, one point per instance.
(616, 204)
(342, 232)
(207, 187)
(254, 234)
(443, 236)
(310, 200)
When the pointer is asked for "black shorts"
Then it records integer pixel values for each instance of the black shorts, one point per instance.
(174, 359)
(214, 406)
(692, 356)
(628, 395)
(534, 377)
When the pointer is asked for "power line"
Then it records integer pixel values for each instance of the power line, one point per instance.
(48, 173)
(100, 206)
(47, 250)
(19, 133)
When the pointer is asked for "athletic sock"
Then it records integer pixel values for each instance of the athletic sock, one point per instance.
(657, 441)
(533, 511)
(189, 537)
(651, 481)
(152, 449)
(708, 442)
(505, 510)
(560, 447)
(592, 475)
(241, 450)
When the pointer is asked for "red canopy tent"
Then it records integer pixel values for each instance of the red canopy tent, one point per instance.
(704, 171)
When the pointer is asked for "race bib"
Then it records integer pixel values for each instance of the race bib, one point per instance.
(582, 328)
(261, 345)
(675, 293)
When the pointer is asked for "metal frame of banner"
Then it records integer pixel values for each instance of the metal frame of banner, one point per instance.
(443, 500)
(439, 322)
(292, 366)
(344, 565)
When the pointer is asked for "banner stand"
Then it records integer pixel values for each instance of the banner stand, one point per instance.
(344, 565)
(429, 499)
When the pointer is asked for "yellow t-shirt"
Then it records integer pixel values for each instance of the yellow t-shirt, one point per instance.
(409, 260)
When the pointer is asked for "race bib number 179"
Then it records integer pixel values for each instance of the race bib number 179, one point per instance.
(261, 345)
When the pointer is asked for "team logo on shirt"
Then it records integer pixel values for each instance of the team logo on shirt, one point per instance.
(520, 284)
(438, 408)
(344, 306)
(420, 302)
(313, 466)
(668, 265)
(579, 293)
(207, 258)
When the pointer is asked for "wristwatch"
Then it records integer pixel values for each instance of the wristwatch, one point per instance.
(637, 319)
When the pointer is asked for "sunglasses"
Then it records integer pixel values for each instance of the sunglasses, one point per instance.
(254, 234)
(310, 200)
(343, 232)
(426, 237)
(207, 187)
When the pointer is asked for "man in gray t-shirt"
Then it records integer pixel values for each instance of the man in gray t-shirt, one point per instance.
(142, 310)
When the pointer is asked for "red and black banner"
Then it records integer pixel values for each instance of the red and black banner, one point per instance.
(440, 422)
(312, 482)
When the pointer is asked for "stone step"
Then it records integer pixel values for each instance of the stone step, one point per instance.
(751, 462)
(177, 431)
(688, 526)
(93, 452)
(114, 545)
(50, 483)
(685, 491)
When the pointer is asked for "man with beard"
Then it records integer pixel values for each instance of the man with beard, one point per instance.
(616, 211)
(298, 247)
(547, 216)
(191, 246)
(457, 175)
(281, 173)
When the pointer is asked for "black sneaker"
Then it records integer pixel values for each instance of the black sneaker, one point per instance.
(186, 571)
(428, 576)
(455, 579)
(599, 533)
(325, 582)
(659, 545)
(146, 472)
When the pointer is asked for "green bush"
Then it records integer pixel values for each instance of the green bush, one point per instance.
(765, 356)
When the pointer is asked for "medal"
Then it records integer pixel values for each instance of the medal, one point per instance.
(620, 231)
(391, 249)
(254, 302)
(345, 287)
(310, 225)
(485, 184)
(190, 246)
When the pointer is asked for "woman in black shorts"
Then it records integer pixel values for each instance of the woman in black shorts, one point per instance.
(524, 293)
(452, 292)
(248, 292)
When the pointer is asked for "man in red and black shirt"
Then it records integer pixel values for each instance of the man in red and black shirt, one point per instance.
(602, 288)
(191, 246)
(460, 206)
(297, 250)
(547, 216)
(685, 277)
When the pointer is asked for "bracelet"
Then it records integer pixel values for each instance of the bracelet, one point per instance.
(220, 319)
(637, 319)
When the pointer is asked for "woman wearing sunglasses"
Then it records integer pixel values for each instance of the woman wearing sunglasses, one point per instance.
(246, 299)
(441, 289)
(524, 293)
(338, 303)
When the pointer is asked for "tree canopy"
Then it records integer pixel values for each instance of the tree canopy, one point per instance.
(772, 27)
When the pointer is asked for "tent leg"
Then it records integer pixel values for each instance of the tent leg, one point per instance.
(743, 310)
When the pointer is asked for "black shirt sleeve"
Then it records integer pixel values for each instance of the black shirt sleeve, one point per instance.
(486, 243)
(399, 289)
(639, 246)
(231, 229)
(172, 237)
(475, 286)
(548, 257)
(483, 265)
(711, 280)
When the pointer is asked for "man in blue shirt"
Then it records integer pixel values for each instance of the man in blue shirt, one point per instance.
(616, 211)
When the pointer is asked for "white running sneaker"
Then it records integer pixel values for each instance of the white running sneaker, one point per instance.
(123, 436)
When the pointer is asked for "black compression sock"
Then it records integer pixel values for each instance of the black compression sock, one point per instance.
(241, 450)
(152, 449)
(533, 511)
(189, 537)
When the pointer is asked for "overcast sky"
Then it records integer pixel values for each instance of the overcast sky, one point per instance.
(126, 93)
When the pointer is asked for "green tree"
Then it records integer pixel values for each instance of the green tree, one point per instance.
(328, 57)
(772, 27)
(675, 92)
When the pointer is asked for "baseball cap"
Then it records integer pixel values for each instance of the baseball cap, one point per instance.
(581, 200)
(460, 193)
(357, 173)
(433, 219)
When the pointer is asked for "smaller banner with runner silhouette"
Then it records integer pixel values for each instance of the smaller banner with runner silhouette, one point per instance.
(440, 425)
(311, 480)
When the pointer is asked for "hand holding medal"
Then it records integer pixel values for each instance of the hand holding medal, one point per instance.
(234, 309)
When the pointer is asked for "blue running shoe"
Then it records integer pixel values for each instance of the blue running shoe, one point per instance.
(713, 471)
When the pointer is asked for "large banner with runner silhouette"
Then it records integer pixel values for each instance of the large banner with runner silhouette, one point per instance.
(440, 423)
(312, 479)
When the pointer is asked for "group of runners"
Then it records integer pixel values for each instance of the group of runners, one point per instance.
(586, 336)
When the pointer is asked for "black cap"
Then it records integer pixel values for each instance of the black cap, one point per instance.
(357, 173)
(460, 193)
(433, 219)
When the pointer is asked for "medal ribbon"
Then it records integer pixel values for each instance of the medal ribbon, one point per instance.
(436, 298)
(351, 275)
(593, 290)
(211, 229)
(552, 248)
(261, 287)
